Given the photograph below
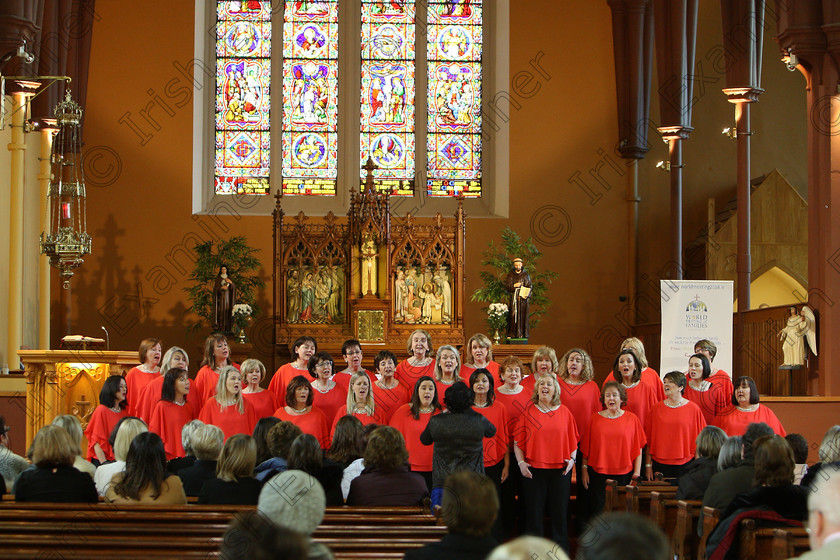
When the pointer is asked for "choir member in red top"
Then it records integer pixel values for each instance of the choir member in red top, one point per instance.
(388, 393)
(719, 377)
(447, 364)
(496, 449)
(649, 375)
(302, 351)
(480, 355)
(711, 398)
(300, 411)
(640, 397)
(329, 396)
(543, 362)
(359, 402)
(112, 407)
(420, 362)
(671, 428)
(411, 419)
(611, 446)
(253, 372)
(583, 398)
(216, 356)
(747, 410)
(138, 377)
(172, 411)
(227, 409)
(174, 357)
(352, 352)
(545, 445)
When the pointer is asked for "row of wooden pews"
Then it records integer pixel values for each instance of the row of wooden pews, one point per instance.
(31, 530)
(679, 520)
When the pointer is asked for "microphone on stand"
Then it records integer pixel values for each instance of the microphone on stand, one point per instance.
(107, 339)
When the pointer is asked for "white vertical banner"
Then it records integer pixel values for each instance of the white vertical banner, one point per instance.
(693, 310)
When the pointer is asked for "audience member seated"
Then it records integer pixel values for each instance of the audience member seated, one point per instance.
(251, 536)
(727, 484)
(824, 516)
(529, 548)
(693, 484)
(730, 453)
(386, 480)
(11, 465)
(145, 480)
(261, 437)
(188, 460)
(127, 429)
(625, 536)
(799, 445)
(54, 479)
(470, 506)
(347, 449)
(234, 483)
(829, 452)
(294, 500)
(73, 428)
(279, 440)
(207, 443)
(305, 455)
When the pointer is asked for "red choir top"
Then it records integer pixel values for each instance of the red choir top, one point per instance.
(547, 438)
(330, 402)
(229, 419)
(408, 375)
(496, 446)
(492, 367)
(343, 378)
(640, 399)
(611, 445)
(713, 402)
(167, 420)
(419, 455)
(313, 422)
(149, 397)
(389, 400)
(136, 380)
(583, 400)
(672, 432)
(99, 429)
(514, 406)
(650, 377)
(205, 382)
(263, 402)
(735, 422)
(281, 379)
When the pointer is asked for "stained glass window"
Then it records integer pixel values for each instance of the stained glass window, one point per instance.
(310, 97)
(387, 93)
(453, 141)
(243, 73)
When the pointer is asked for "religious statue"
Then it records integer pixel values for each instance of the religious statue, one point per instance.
(518, 284)
(224, 296)
(293, 294)
(799, 328)
(369, 272)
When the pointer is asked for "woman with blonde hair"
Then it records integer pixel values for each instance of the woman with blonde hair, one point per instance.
(543, 362)
(359, 402)
(478, 354)
(127, 430)
(253, 372)
(447, 364)
(227, 409)
(145, 480)
(138, 377)
(234, 483)
(420, 361)
(216, 357)
(648, 375)
(54, 479)
(74, 429)
(175, 357)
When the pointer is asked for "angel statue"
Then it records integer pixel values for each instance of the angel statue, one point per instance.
(800, 327)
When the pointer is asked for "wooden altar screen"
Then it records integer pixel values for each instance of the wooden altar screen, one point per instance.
(363, 277)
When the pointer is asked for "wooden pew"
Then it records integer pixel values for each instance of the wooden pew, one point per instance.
(614, 496)
(664, 511)
(759, 543)
(709, 518)
(790, 543)
(685, 540)
(637, 498)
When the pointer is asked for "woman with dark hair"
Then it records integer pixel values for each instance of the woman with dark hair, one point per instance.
(138, 377)
(611, 446)
(359, 401)
(54, 479)
(145, 480)
(747, 410)
(303, 349)
(112, 407)
(458, 436)
(234, 483)
(412, 418)
(216, 357)
(710, 397)
(227, 409)
(174, 358)
(545, 445)
(640, 396)
(386, 480)
(279, 439)
(648, 375)
(420, 361)
(172, 412)
(300, 411)
(306, 455)
(388, 393)
(260, 435)
(347, 449)
(672, 427)
(328, 395)
(253, 372)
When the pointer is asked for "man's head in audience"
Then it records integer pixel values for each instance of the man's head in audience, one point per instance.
(754, 431)
(529, 548)
(824, 507)
(294, 500)
(625, 536)
(470, 503)
(251, 536)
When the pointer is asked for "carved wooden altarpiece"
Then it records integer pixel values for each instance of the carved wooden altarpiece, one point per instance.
(368, 276)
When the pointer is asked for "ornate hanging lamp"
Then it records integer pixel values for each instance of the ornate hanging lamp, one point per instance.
(66, 240)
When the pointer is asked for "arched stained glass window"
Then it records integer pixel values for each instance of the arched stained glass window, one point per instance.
(387, 94)
(243, 73)
(453, 141)
(310, 97)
